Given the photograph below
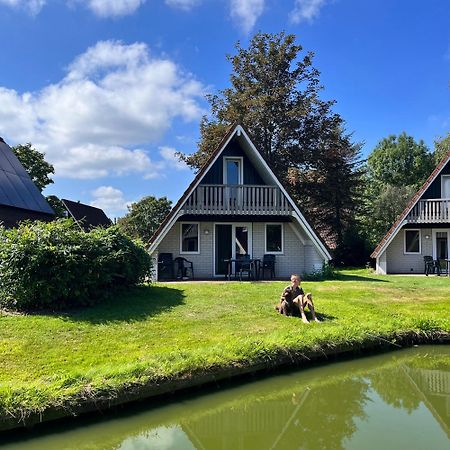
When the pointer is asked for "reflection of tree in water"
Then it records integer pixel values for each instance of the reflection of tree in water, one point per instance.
(393, 386)
(329, 413)
(310, 419)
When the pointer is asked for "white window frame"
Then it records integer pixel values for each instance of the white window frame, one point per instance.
(241, 168)
(181, 238)
(443, 178)
(420, 241)
(282, 238)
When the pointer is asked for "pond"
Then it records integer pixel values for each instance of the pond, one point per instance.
(390, 401)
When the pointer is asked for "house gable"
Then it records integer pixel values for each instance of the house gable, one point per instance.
(429, 190)
(237, 140)
(434, 190)
(233, 149)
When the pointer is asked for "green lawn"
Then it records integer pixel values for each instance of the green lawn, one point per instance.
(170, 330)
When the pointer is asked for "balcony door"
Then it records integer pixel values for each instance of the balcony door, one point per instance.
(445, 186)
(233, 177)
(230, 242)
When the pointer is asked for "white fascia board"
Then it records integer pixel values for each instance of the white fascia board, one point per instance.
(300, 218)
(179, 212)
(165, 230)
(392, 236)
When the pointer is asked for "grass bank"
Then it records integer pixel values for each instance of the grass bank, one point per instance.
(165, 336)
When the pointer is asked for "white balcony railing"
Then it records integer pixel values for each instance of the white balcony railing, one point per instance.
(237, 199)
(430, 211)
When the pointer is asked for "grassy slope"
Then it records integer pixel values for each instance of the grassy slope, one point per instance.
(169, 330)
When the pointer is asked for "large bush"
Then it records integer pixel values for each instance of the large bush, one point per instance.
(56, 265)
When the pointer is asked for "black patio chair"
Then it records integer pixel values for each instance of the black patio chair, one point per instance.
(165, 266)
(431, 265)
(184, 268)
(268, 263)
(244, 264)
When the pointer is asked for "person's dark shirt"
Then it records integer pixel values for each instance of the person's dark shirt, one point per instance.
(290, 293)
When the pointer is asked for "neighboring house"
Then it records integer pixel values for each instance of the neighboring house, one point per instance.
(87, 217)
(20, 199)
(236, 206)
(422, 229)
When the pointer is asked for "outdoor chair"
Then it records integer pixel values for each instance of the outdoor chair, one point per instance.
(268, 263)
(244, 264)
(165, 266)
(431, 265)
(183, 268)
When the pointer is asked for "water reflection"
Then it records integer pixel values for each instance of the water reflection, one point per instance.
(399, 400)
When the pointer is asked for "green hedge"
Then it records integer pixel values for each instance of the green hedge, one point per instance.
(56, 265)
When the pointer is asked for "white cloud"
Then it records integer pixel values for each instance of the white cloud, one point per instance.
(114, 98)
(171, 160)
(31, 6)
(186, 5)
(306, 10)
(111, 200)
(247, 12)
(113, 8)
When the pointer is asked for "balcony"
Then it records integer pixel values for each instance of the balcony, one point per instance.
(237, 200)
(430, 211)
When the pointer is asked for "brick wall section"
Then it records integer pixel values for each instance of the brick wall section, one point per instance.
(398, 262)
(296, 257)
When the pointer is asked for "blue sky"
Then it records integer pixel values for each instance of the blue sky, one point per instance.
(109, 89)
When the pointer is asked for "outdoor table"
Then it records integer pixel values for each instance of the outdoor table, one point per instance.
(447, 262)
(255, 263)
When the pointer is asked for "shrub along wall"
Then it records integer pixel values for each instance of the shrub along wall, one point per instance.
(56, 265)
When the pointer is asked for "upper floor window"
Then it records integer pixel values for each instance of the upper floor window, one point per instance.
(232, 171)
(190, 238)
(274, 238)
(445, 186)
(412, 241)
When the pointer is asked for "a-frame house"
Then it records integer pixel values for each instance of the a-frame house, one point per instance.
(236, 206)
(421, 230)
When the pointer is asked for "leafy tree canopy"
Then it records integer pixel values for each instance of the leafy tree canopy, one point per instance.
(441, 148)
(400, 161)
(274, 93)
(144, 217)
(34, 163)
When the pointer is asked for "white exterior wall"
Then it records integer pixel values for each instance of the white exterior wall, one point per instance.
(399, 262)
(296, 257)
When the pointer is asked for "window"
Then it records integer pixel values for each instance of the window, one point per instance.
(190, 238)
(233, 171)
(274, 238)
(412, 241)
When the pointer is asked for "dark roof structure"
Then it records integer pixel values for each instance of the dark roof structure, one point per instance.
(20, 199)
(86, 216)
(417, 196)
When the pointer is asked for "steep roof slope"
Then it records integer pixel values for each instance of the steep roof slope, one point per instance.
(85, 215)
(417, 196)
(16, 187)
(236, 130)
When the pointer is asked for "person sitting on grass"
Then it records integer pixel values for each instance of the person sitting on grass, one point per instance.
(294, 301)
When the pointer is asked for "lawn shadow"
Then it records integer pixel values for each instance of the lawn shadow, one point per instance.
(139, 303)
(344, 277)
(321, 316)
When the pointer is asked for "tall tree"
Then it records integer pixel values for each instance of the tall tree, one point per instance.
(274, 93)
(441, 148)
(400, 161)
(144, 217)
(396, 168)
(34, 163)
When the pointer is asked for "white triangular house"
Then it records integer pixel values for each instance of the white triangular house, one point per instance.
(421, 230)
(237, 206)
